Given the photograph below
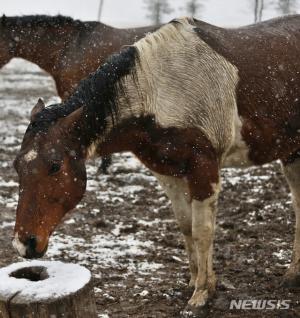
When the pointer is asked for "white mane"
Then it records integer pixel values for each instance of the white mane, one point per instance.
(172, 31)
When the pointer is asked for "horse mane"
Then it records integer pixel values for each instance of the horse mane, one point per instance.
(38, 21)
(97, 94)
(167, 32)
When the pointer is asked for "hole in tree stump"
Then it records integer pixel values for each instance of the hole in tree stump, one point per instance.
(34, 274)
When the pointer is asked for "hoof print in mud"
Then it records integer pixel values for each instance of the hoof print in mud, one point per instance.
(292, 282)
(194, 312)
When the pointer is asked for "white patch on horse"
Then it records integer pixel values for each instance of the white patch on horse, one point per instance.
(184, 83)
(203, 231)
(92, 150)
(238, 154)
(178, 192)
(30, 155)
(20, 247)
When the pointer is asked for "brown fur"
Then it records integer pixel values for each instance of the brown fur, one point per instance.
(67, 49)
(268, 94)
(168, 151)
(48, 189)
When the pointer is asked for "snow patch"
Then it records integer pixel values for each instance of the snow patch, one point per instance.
(74, 277)
(6, 224)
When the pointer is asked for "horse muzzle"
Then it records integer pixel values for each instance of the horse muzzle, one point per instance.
(28, 249)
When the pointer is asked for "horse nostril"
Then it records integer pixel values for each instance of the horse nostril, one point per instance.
(31, 243)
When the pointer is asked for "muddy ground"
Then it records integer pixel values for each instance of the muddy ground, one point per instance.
(125, 233)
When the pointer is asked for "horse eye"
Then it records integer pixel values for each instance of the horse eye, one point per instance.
(55, 167)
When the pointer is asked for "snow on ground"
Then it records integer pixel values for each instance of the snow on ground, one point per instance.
(105, 251)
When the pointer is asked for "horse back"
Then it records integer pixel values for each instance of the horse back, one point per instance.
(266, 56)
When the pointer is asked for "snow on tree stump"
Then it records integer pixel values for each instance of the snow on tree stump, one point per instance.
(45, 289)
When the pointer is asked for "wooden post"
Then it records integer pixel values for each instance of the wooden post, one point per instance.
(46, 290)
(100, 10)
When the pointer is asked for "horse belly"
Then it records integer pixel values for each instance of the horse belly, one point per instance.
(237, 157)
(238, 153)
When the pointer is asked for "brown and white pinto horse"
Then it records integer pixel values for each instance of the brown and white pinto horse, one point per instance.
(187, 100)
(67, 49)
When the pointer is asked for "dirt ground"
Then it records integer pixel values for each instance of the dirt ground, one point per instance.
(125, 233)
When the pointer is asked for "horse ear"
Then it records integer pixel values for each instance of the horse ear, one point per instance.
(40, 105)
(3, 19)
(70, 121)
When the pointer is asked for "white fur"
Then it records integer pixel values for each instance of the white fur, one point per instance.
(179, 194)
(238, 153)
(30, 155)
(196, 220)
(184, 83)
(92, 150)
(203, 229)
(20, 247)
(292, 174)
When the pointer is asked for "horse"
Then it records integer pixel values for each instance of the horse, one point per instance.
(187, 100)
(67, 49)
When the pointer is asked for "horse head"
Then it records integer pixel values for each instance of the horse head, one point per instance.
(52, 178)
(6, 42)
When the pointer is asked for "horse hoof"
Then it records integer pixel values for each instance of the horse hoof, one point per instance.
(291, 281)
(194, 312)
(102, 170)
(192, 282)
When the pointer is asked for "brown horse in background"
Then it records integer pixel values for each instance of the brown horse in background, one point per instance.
(67, 49)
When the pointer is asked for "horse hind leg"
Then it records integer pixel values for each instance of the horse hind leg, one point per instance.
(106, 162)
(292, 174)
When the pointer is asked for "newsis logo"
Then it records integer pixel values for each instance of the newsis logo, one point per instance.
(260, 304)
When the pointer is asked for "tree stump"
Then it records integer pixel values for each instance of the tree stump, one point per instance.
(41, 289)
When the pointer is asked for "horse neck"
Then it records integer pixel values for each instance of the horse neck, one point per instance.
(117, 92)
(121, 127)
(41, 46)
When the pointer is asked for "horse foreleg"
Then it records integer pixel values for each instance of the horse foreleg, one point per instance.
(292, 174)
(204, 188)
(178, 192)
(203, 227)
(193, 261)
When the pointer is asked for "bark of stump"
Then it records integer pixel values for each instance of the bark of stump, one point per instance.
(78, 304)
